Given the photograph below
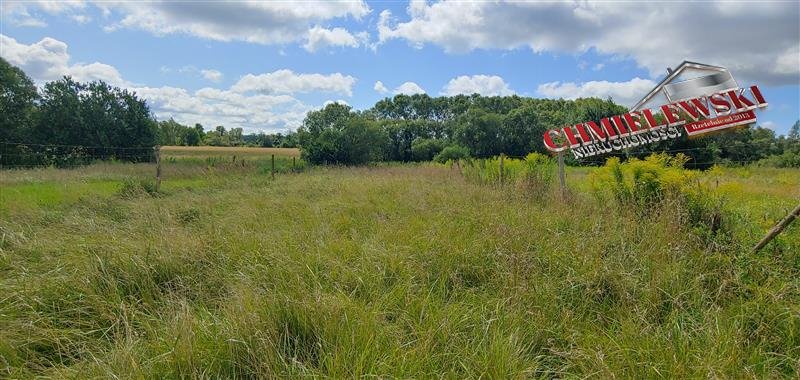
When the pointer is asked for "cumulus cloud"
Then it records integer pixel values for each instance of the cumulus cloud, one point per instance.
(625, 93)
(261, 104)
(487, 85)
(22, 13)
(657, 35)
(380, 87)
(287, 82)
(48, 60)
(319, 37)
(212, 107)
(262, 22)
(409, 88)
(211, 75)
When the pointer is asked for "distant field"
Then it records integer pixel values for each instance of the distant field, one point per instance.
(392, 271)
(213, 151)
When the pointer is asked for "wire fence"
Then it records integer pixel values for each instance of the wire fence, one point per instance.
(26, 162)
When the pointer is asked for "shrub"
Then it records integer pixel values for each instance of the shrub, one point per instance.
(452, 153)
(426, 149)
(660, 180)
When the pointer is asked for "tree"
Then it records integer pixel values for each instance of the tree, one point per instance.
(192, 137)
(794, 131)
(480, 132)
(18, 98)
(522, 132)
(337, 135)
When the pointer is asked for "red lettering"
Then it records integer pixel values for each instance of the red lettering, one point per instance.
(634, 121)
(602, 132)
(651, 121)
(671, 112)
(759, 98)
(570, 133)
(740, 102)
(549, 143)
(694, 108)
(720, 104)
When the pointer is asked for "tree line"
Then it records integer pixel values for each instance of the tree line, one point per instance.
(420, 128)
(68, 122)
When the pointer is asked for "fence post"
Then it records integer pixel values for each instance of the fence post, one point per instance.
(293, 158)
(502, 157)
(157, 149)
(273, 166)
(561, 176)
(234, 159)
(778, 228)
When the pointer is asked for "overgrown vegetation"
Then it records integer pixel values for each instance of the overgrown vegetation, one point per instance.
(418, 127)
(396, 271)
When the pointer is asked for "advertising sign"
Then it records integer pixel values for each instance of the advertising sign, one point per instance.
(693, 106)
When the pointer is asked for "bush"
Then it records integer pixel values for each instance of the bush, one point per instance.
(452, 153)
(786, 160)
(660, 180)
(426, 149)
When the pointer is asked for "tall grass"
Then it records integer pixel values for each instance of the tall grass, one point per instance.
(398, 271)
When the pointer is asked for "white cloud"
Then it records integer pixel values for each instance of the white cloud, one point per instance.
(769, 125)
(18, 13)
(211, 75)
(380, 87)
(287, 82)
(212, 107)
(262, 22)
(482, 84)
(319, 37)
(657, 34)
(409, 88)
(270, 111)
(625, 93)
(48, 60)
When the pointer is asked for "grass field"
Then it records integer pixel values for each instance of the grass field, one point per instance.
(393, 271)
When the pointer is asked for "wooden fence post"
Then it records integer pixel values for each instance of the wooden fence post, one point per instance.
(561, 176)
(293, 158)
(157, 149)
(778, 228)
(502, 157)
(273, 166)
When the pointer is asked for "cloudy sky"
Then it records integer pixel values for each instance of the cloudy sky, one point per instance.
(262, 65)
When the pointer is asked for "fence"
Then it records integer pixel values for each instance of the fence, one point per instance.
(154, 164)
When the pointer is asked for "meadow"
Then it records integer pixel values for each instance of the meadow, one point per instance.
(411, 271)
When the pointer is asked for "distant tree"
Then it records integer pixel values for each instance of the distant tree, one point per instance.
(336, 135)
(794, 131)
(192, 137)
(18, 98)
(480, 131)
(235, 137)
(200, 131)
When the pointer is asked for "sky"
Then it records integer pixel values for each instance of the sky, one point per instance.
(263, 65)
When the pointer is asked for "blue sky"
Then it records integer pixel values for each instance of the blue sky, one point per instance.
(262, 65)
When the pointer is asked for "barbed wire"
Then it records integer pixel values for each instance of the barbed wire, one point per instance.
(77, 146)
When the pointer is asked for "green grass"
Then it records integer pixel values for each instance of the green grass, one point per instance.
(392, 271)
